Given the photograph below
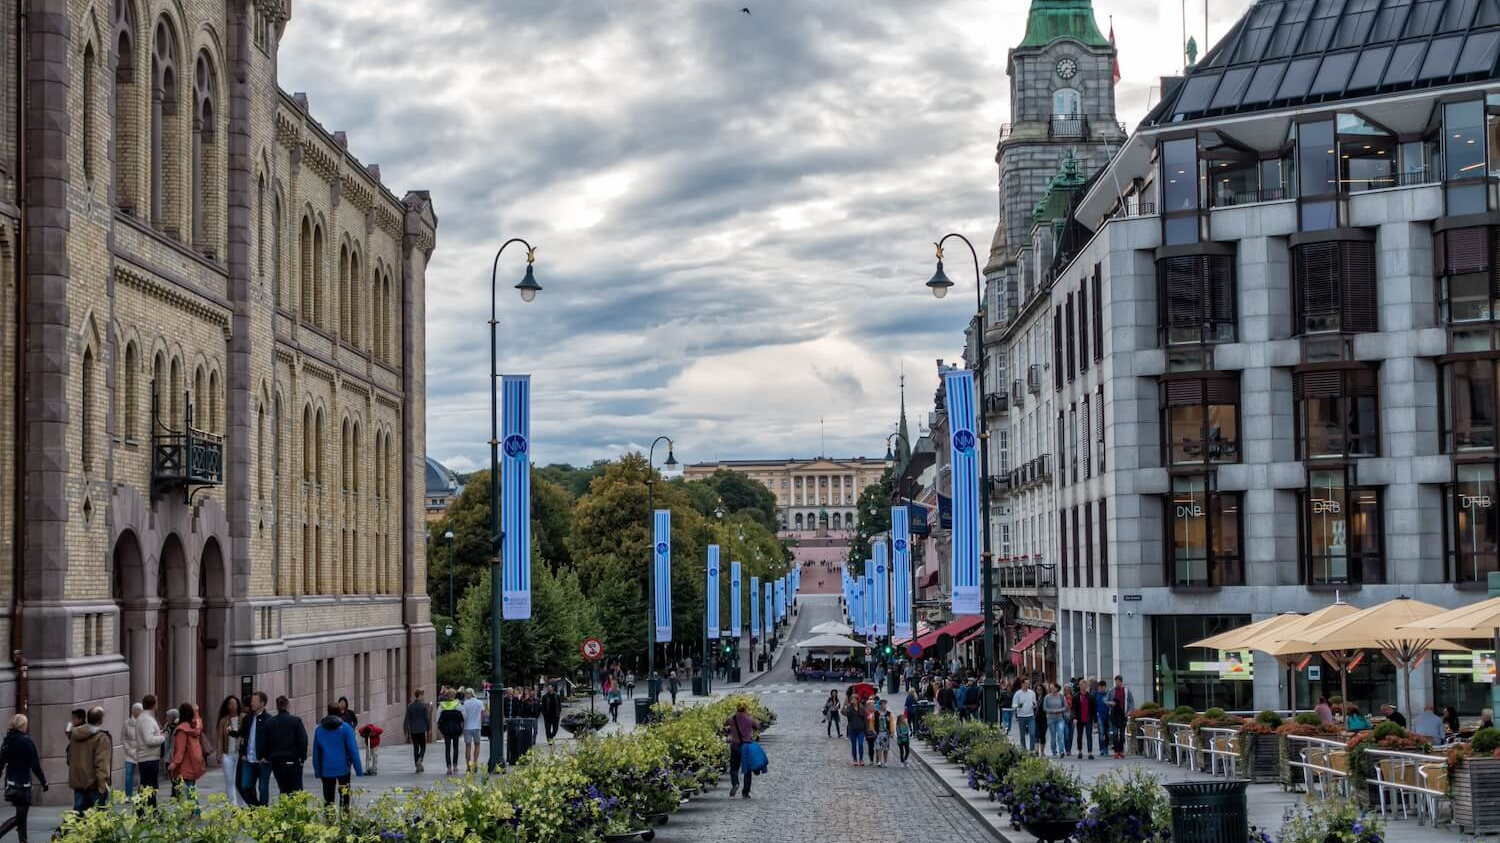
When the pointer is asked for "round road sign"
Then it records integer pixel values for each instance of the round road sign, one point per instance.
(592, 649)
(914, 650)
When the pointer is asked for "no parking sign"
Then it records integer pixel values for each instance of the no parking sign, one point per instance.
(592, 649)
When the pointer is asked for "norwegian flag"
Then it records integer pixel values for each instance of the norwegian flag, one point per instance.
(1115, 60)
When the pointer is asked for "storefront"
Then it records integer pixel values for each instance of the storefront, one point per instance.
(1183, 675)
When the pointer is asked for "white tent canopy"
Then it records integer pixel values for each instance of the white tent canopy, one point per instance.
(829, 642)
(832, 628)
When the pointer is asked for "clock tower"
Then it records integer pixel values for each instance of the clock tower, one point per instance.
(1062, 100)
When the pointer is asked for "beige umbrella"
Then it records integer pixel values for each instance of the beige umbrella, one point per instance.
(1378, 628)
(1235, 639)
(1481, 620)
(1269, 642)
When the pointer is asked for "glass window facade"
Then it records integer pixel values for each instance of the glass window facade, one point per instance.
(1204, 539)
(1341, 531)
(1472, 524)
(1337, 414)
(1469, 405)
(1200, 421)
(1184, 675)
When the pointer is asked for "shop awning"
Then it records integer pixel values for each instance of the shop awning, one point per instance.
(955, 628)
(928, 578)
(977, 633)
(1033, 635)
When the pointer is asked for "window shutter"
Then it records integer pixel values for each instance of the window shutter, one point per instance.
(1083, 325)
(1062, 447)
(1184, 393)
(1072, 344)
(1062, 545)
(1361, 305)
(1103, 544)
(1182, 292)
(1495, 267)
(1098, 314)
(1099, 425)
(1057, 356)
(1077, 580)
(1325, 384)
(1088, 543)
(1085, 433)
(1223, 391)
(1315, 275)
(1467, 250)
(1218, 280)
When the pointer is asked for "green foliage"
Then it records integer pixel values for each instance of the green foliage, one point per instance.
(1268, 718)
(1039, 790)
(571, 478)
(546, 645)
(1182, 714)
(1485, 741)
(1215, 713)
(453, 670)
(1389, 730)
(740, 493)
(1340, 820)
(1129, 804)
(1308, 718)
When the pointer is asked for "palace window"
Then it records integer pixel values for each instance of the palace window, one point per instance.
(1204, 537)
(1341, 531)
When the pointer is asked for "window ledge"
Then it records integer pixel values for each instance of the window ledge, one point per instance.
(1196, 589)
(1329, 588)
(1469, 585)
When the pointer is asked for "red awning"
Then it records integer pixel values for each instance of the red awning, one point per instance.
(1034, 635)
(978, 632)
(957, 627)
(928, 580)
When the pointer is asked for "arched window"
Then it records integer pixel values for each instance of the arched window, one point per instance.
(320, 316)
(1066, 102)
(90, 94)
(205, 158)
(307, 444)
(175, 387)
(304, 297)
(86, 448)
(346, 468)
(199, 400)
(355, 458)
(277, 431)
(343, 292)
(798, 520)
(164, 125)
(160, 402)
(387, 313)
(280, 300)
(318, 449)
(131, 398)
(211, 421)
(260, 228)
(377, 308)
(126, 115)
(356, 297)
(260, 451)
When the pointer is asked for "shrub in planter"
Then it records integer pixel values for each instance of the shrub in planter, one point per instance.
(988, 761)
(1127, 805)
(584, 722)
(1037, 790)
(1182, 714)
(1308, 718)
(1339, 820)
(1485, 741)
(1388, 730)
(1269, 719)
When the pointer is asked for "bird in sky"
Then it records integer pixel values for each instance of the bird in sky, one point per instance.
(746, 10)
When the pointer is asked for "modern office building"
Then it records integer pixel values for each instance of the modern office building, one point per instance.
(1259, 353)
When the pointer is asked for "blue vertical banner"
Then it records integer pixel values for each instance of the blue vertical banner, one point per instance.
(755, 607)
(781, 598)
(882, 623)
(663, 551)
(734, 599)
(713, 592)
(768, 617)
(900, 572)
(964, 444)
(869, 599)
(515, 497)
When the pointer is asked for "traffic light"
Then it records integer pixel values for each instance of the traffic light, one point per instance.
(887, 650)
(728, 649)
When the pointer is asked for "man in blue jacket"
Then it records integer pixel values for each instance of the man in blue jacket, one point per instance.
(335, 754)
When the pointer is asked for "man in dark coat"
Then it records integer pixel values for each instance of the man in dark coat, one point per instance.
(254, 769)
(551, 711)
(283, 742)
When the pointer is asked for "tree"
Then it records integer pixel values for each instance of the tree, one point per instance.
(877, 498)
(575, 480)
(546, 645)
(742, 494)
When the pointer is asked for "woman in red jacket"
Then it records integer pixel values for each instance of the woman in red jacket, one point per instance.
(1083, 719)
(188, 763)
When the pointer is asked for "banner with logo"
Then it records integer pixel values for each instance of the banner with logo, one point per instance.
(882, 590)
(663, 575)
(515, 497)
(768, 617)
(755, 607)
(964, 447)
(869, 598)
(781, 598)
(734, 599)
(713, 591)
(900, 572)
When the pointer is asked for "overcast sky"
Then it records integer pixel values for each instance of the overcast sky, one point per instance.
(734, 213)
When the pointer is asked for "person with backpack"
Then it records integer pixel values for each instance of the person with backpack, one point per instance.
(903, 738)
(90, 752)
(450, 724)
(19, 762)
(831, 715)
(335, 753)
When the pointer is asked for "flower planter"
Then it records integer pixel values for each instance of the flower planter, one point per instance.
(1475, 782)
(1051, 831)
(1262, 758)
(645, 834)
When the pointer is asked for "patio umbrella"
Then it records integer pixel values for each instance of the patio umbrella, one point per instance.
(1235, 639)
(1481, 620)
(832, 628)
(1267, 640)
(1378, 628)
(829, 642)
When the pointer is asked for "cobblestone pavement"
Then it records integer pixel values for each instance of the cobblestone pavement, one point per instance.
(812, 795)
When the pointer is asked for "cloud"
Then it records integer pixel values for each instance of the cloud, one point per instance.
(734, 214)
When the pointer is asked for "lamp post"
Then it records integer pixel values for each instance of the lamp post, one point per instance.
(528, 288)
(449, 537)
(939, 284)
(652, 685)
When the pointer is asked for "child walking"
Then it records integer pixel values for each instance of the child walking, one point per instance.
(371, 733)
(903, 738)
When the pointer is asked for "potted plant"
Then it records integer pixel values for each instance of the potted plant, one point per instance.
(1259, 750)
(1149, 709)
(1327, 821)
(1128, 804)
(1474, 776)
(1044, 799)
(1387, 735)
(1305, 724)
(584, 722)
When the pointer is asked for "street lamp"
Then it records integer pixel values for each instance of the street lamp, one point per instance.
(653, 689)
(939, 284)
(529, 288)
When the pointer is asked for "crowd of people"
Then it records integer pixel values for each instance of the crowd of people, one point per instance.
(870, 725)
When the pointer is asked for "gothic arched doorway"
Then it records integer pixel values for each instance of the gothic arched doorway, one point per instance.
(137, 629)
(213, 622)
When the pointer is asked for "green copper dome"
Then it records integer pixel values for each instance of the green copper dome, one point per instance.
(1050, 20)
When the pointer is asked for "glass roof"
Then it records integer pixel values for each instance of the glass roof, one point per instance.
(1299, 52)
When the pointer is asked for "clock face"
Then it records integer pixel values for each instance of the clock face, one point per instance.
(1067, 68)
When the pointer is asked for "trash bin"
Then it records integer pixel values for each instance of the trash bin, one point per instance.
(520, 736)
(642, 710)
(924, 708)
(699, 686)
(1209, 811)
(734, 674)
(893, 682)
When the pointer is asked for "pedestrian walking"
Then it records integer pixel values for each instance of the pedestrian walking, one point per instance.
(1101, 716)
(143, 743)
(903, 738)
(1056, 710)
(1067, 694)
(90, 750)
(129, 739)
(1083, 719)
(551, 711)
(473, 711)
(371, 733)
(947, 698)
(1023, 701)
(741, 730)
(854, 728)
(885, 728)
(868, 715)
(1121, 702)
(614, 701)
(167, 730)
(347, 714)
(450, 724)
(229, 748)
(417, 724)
(19, 762)
(254, 771)
(831, 715)
(972, 696)
(335, 755)
(284, 744)
(189, 755)
(630, 684)
(673, 686)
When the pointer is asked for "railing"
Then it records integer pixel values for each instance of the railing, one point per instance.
(1006, 130)
(1067, 127)
(1223, 749)
(996, 404)
(1034, 379)
(1323, 762)
(1000, 484)
(1247, 197)
(1409, 775)
(1027, 576)
(1017, 392)
(1031, 472)
(183, 459)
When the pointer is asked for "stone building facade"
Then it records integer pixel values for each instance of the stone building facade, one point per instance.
(811, 495)
(212, 348)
